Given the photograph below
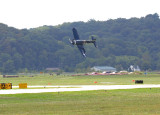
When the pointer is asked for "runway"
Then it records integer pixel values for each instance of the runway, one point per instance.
(43, 89)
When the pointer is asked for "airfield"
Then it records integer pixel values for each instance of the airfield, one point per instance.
(79, 82)
(74, 88)
(81, 94)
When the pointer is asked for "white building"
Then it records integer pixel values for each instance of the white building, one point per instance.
(134, 68)
(104, 68)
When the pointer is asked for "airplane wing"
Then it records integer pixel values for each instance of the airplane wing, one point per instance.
(75, 34)
(82, 50)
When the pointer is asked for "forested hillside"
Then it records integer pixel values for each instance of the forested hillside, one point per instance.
(121, 42)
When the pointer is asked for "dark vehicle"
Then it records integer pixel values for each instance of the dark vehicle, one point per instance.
(80, 43)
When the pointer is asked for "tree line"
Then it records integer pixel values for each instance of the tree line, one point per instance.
(121, 43)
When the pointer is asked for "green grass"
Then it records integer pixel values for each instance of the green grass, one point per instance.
(83, 80)
(121, 102)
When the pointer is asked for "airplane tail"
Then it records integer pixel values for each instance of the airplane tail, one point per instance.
(94, 41)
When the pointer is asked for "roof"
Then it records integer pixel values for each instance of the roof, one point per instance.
(103, 68)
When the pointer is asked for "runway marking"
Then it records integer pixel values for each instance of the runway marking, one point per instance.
(74, 88)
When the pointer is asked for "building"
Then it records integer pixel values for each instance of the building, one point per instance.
(104, 68)
(134, 68)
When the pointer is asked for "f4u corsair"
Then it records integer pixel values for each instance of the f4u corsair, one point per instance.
(80, 43)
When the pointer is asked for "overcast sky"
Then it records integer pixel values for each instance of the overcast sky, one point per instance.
(34, 13)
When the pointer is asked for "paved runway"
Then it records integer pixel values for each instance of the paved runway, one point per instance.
(42, 89)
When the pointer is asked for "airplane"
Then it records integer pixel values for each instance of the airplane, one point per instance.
(80, 43)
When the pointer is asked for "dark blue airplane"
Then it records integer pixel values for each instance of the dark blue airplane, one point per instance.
(79, 43)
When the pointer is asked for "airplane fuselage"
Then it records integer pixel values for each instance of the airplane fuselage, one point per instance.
(81, 42)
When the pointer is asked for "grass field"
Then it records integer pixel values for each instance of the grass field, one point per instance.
(121, 102)
(82, 80)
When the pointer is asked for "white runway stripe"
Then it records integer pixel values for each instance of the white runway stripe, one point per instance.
(73, 88)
